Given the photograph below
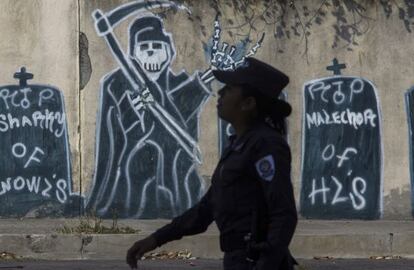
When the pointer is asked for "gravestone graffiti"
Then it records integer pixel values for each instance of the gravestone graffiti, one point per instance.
(35, 175)
(409, 102)
(148, 122)
(341, 148)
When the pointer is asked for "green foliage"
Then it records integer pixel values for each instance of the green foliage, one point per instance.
(94, 225)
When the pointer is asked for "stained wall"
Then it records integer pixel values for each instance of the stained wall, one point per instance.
(125, 161)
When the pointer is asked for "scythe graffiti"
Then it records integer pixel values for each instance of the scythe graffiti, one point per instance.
(147, 129)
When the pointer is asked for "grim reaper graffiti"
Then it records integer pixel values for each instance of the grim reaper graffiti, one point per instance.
(148, 122)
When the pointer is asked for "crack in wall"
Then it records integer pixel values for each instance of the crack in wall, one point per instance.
(86, 240)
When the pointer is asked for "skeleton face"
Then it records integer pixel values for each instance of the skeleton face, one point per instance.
(153, 57)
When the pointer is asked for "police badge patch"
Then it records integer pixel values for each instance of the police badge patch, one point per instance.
(265, 167)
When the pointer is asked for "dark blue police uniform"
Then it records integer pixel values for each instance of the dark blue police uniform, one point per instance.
(251, 194)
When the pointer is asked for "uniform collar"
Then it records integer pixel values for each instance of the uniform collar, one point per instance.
(237, 143)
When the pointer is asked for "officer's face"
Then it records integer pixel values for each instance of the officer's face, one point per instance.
(229, 104)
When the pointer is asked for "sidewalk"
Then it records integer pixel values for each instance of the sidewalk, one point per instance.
(204, 264)
(39, 239)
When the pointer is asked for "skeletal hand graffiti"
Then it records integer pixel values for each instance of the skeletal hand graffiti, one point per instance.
(147, 130)
(225, 57)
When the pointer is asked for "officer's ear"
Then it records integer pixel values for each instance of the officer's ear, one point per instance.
(249, 103)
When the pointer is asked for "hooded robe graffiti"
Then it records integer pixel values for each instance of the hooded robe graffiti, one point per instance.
(341, 149)
(35, 175)
(142, 169)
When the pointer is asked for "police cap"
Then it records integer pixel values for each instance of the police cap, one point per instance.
(259, 76)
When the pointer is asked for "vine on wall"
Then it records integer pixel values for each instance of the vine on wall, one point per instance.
(297, 19)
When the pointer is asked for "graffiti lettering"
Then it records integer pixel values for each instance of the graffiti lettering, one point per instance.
(23, 96)
(60, 191)
(19, 153)
(346, 117)
(329, 152)
(336, 90)
(44, 95)
(344, 156)
(324, 190)
(33, 156)
(337, 198)
(356, 194)
(36, 185)
(330, 148)
(54, 122)
(20, 98)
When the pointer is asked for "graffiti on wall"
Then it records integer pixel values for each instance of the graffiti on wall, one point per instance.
(228, 57)
(341, 148)
(35, 178)
(147, 147)
(409, 103)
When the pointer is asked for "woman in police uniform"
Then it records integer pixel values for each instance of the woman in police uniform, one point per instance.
(251, 196)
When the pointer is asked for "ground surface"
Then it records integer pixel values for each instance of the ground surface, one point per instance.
(337, 264)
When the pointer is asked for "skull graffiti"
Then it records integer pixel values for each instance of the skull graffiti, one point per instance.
(153, 57)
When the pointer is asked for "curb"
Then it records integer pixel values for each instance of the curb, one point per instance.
(337, 239)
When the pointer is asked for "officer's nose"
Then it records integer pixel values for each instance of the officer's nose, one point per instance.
(221, 91)
(150, 52)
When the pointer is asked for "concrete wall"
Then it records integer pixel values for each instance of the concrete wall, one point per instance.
(53, 38)
(42, 37)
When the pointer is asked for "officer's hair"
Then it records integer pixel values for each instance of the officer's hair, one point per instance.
(267, 108)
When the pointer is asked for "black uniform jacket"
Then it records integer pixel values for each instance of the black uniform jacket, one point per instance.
(251, 181)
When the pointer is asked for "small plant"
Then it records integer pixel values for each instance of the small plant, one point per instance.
(164, 255)
(4, 255)
(91, 224)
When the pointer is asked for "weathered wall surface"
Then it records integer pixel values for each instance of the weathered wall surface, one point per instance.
(39, 116)
(348, 132)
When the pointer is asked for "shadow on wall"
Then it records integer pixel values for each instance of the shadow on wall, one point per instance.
(85, 66)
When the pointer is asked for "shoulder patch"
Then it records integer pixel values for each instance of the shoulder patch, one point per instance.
(265, 167)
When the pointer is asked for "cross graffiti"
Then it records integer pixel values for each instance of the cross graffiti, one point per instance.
(336, 67)
(23, 76)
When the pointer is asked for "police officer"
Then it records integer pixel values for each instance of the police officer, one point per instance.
(251, 195)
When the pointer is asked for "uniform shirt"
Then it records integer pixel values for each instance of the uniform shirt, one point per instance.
(252, 178)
